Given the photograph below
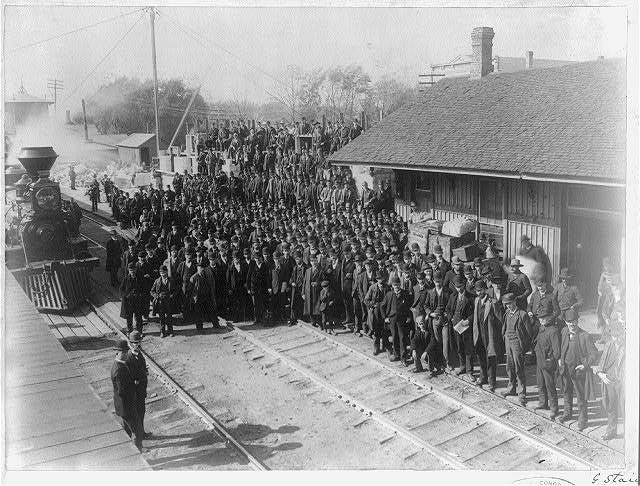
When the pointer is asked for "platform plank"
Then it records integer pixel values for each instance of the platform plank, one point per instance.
(54, 419)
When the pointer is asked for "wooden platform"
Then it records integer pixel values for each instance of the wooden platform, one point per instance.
(54, 420)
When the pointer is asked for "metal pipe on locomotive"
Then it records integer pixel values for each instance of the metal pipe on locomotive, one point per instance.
(55, 273)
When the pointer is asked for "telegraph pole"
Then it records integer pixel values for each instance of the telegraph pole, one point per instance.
(152, 15)
(56, 85)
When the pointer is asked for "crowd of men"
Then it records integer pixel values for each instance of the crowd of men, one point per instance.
(289, 237)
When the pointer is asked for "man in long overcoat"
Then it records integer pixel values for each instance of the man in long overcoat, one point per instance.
(163, 295)
(375, 320)
(487, 334)
(124, 394)
(460, 308)
(547, 350)
(313, 278)
(611, 373)
(132, 289)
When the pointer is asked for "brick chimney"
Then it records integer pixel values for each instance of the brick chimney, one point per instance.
(481, 44)
(528, 60)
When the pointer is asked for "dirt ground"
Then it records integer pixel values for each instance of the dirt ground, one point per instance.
(284, 419)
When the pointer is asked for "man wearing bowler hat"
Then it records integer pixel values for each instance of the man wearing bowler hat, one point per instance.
(460, 310)
(516, 331)
(395, 311)
(139, 371)
(577, 355)
(518, 284)
(375, 320)
(124, 394)
(488, 315)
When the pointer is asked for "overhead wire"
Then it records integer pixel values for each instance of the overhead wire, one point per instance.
(64, 34)
(202, 41)
(104, 58)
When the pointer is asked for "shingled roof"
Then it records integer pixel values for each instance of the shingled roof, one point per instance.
(561, 122)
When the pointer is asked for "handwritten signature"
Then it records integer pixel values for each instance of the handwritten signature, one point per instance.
(615, 478)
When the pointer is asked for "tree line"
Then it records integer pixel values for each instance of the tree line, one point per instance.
(125, 105)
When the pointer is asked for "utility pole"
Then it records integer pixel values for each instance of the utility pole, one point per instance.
(84, 116)
(56, 85)
(152, 15)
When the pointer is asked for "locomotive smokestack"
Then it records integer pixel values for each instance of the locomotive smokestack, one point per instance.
(38, 161)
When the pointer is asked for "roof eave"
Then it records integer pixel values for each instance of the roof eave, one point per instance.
(565, 179)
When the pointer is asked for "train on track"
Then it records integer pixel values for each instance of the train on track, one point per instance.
(52, 266)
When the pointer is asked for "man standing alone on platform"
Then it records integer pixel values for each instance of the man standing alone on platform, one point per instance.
(124, 395)
(138, 367)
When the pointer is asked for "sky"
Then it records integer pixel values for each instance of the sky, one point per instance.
(243, 53)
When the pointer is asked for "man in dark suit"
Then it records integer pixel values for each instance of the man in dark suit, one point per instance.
(296, 283)
(395, 311)
(258, 283)
(577, 355)
(237, 292)
(139, 371)
(199, 296)
(358, 291)
(114, 254)
(124, 394)
(516, 330)
(611, 373)
(547, 350)
(460, 308)
(347, 267)
(131, 305)
(375, 320)
(163, 294)
(488, 314)
(439, 297)
(313, 277)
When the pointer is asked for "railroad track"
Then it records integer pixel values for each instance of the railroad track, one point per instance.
(462, 434)
(463, 426)
(103, 361)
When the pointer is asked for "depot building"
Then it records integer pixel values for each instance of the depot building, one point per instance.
(539, 152)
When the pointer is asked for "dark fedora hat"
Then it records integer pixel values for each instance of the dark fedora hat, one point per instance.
(121, 345)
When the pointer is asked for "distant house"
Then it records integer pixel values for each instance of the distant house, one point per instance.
(21, 107)
(138, 149)
(460, 66)
(539, 152)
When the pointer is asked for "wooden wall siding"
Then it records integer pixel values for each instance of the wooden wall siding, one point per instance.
(535, 202)
(490, 200)
(547, 237)
(457, 193)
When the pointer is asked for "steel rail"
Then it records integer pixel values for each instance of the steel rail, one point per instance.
(375, 414)
(184, 396)
(492, 417)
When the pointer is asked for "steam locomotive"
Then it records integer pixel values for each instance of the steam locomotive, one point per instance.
(55, 267)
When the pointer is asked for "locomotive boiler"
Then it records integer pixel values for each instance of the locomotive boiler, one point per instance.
(56, 268)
